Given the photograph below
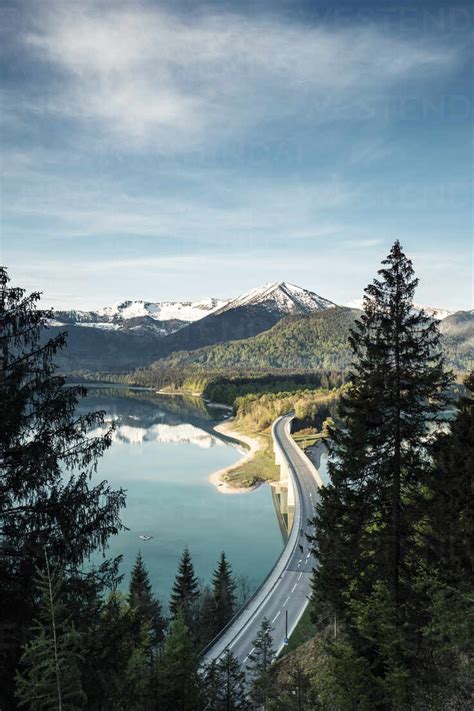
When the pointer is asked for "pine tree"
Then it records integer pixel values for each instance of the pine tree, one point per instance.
(260, 662)
(224, 593)
(212, 686)
(46, 460)
(49, 676)
(294, 691)
(147, 608)
(447, 576)
(451, 507)
(120, 675)
(224, 685)
(185, 591)
(365, 525)
(233, 695)
(368, 521)
(204, 617)
(178, 683)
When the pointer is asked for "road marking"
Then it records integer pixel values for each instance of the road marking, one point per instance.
(293, 588)
(308, 556)
(286, 601)
(248, 655)
(277, 614)
(299, 576)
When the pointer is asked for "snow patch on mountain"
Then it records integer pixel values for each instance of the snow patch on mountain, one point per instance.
(160, 318)
(103, 325)
(188, 311)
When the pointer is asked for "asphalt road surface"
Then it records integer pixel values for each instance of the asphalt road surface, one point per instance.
(284, 595)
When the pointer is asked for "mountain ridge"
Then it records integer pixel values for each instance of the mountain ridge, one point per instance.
(133, 336)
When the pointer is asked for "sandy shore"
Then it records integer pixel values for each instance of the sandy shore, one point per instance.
(253, 445)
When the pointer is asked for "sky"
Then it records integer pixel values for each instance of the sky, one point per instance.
(181, 150)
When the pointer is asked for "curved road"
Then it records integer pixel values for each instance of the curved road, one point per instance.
(287, 587)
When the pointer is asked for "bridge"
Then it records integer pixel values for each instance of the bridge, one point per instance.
(283, 596)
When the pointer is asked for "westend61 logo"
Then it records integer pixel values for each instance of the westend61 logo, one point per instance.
(393, 18)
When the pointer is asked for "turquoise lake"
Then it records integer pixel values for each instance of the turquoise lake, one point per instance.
(163, 452)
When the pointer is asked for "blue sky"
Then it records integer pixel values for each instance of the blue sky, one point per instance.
(179, 150)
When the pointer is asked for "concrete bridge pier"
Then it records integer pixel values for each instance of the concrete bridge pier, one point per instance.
(286, 480)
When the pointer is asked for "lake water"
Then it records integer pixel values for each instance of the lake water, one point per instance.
(163, 451)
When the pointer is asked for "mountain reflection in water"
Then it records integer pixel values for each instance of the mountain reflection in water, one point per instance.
(163, 450)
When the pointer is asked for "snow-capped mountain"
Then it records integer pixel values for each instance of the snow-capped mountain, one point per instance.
(161, 318)
(439, 314)
(246, 316)
(280, 296)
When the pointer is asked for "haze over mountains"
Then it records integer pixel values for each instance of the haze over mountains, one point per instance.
(134, 334)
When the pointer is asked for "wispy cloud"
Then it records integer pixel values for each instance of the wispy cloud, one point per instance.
(234, 210)
(150, 77)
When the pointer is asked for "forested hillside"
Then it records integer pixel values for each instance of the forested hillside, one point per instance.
(318, 342)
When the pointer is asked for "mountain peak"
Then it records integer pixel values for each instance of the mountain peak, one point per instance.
(280, 296)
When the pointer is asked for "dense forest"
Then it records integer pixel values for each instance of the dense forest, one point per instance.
(317, 343)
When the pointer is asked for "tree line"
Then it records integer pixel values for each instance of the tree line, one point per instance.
(127, 654)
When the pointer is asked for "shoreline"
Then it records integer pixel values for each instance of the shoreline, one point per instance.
(216, 478)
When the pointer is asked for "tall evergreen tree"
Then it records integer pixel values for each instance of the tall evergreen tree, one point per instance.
(49, 676)
(46, 461)
(367, 524)
(185, 589)
(178, 682)
(212, 686)
(450, 532)
(224, 685)
(233, 692)
(224, 593)
(204, 617)
(261, 660)
(293, 690)
(146, 607)
(447, 576)
(121, 675)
